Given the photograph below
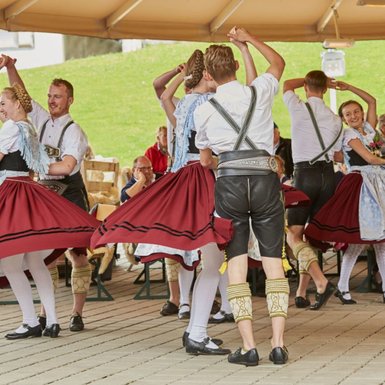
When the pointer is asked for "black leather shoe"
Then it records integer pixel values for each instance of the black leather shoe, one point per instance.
(31, 332)
(52, 331)
(340, 295)
(249, 358)
(194, 347)
(279, 355)
(216, 341)
(169, 308)
(322, 298)
(76, 323)
(301, 302)
(184, 314)
(225, 318)
(42, 321)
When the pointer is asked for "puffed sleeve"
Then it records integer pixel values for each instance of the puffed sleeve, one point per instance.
(9, 135)
(349, 134)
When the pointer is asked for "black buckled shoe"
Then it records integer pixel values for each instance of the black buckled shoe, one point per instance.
(52, 331)
(42, 319)
(340, 295)
(301, 302)
(76, 323)
(225, 318)
(30, 332)
(250, 358)
(169, 308)
(216, 341)
(322, 298)
(279, 356)
(194, 347)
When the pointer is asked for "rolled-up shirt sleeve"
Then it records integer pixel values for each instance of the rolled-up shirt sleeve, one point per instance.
(75, 143)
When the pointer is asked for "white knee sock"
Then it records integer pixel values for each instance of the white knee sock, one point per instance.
(379, 249)
(223, 283)
(348, 261)
(204, 292)
(43, 281)
(185, 278)
(13, 269)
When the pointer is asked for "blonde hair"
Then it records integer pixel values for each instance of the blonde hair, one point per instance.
(194, 69)
(220, 62)
(17, 92)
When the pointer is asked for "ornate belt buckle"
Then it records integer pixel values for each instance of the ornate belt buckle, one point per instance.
(273, 164)
(52, 152)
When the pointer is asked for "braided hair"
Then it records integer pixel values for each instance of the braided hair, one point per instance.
(17, 92)
(194, 69)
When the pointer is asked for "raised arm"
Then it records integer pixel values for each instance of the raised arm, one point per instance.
(293, 84)
(251, 71)
(169, 93)
(161, 81)
(277, 64)
(371, 114)
(13, 76)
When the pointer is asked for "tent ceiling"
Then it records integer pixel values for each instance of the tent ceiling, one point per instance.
(197, 20)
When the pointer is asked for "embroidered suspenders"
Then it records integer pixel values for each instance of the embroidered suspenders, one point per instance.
(54, 152)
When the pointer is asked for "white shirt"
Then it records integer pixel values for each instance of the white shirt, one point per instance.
(74, 141)
(9, 137)
(170, 128)
(304, 141)
(215, 133)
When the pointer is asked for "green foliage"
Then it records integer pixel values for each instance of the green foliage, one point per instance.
(117, 107)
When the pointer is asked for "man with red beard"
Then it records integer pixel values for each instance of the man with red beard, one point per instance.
(66, 144)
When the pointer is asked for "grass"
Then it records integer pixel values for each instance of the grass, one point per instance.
(116, 106)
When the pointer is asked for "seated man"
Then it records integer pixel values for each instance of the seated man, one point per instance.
(142, 176)
(157, 153)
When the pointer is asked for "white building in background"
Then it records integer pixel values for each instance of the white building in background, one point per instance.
(36, 49)
(33, 49)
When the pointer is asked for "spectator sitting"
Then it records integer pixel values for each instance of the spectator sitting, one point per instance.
(282, 148)
(157, 154)
(142, 177)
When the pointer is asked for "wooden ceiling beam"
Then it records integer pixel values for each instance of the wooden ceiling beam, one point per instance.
(226, 12)
(324, 20)
(121, 12)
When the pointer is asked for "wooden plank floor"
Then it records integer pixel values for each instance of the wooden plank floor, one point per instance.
(127, 341)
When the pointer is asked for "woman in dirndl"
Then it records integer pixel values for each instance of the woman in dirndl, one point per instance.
(34, 220)
(177, 210)
(356, 212)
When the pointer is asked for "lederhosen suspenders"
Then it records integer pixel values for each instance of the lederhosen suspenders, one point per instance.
(325, 150)
(245, 162)
(54, 152)
(240, 131)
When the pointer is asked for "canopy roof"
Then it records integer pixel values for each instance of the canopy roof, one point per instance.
(198, 20)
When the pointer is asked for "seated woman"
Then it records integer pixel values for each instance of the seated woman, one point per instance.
(358, 205)
(34, 220)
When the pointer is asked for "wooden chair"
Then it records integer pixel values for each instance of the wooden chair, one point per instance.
(101, 180)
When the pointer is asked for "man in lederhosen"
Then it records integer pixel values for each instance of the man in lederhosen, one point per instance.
(66, 144)
(316, 142)
(238, 126)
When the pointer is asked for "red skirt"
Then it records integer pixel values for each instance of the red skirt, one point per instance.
(294, 197)
(34, 218)
(337, 220)
(177, 210)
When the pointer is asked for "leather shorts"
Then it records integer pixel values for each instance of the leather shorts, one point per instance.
(318, 182)
(254, 200)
